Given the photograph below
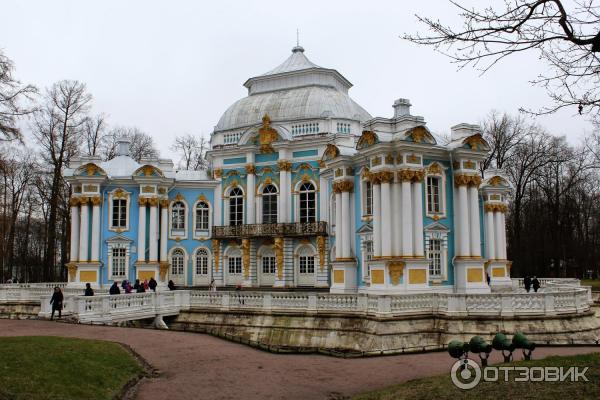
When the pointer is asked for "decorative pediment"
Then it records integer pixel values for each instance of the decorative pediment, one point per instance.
(476, 142)
(90, 169)
(420, 134)
(119, 239)
(435, 169)
(148, 170)
(436, 227)
(366, 229)
(367, 139)
(497, 180)
(331, 152)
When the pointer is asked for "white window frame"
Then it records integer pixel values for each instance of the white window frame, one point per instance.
(298, 202)
(262, 203)
(185, 261)
(365, 239)
(178, 233)
(127, 198)
(208, 261)
(118, 243)
(443, 237)
(228, 205)
(202, 234)
(364, 199)
(442, 196)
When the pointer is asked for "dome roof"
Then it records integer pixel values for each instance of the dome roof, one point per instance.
(297, 89)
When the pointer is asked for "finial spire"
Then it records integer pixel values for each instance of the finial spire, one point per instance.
(297, 48)
(297, 37)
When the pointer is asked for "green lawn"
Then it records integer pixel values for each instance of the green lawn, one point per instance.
(594, 283)
(41, 367)
(441, 387)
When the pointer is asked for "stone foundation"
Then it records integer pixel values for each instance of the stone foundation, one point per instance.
(367, 335)
(19, 310)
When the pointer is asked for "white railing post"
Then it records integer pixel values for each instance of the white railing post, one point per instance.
(312, 302)
(225, 301)
(105, 310)
(549, 305)
(362, 303)
(506, 309)
(267, 301)
(384, 304)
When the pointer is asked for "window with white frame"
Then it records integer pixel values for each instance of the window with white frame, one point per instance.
(119, 213)
(201, 262)
(235, 264)
(434, 205)
(119, 262)
(178, 216)
(307, 264)
(269, 205)
(368, 198)
(308, 212)
(236, 207)
(202, 216)
(268, 264)
(177, 262)
(434, 254)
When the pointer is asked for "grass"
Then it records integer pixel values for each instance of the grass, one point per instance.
(441, 387)
(41, 367)
(594, 283)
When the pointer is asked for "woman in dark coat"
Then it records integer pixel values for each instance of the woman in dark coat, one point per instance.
(114, 289)
(57, 302)
(171, 285)
(88, 290)
(136, 285)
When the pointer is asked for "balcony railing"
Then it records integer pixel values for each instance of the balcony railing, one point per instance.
(268, 230)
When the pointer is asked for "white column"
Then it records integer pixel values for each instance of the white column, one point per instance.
(83, 232)
(153, 232)
(386, 220)
(258, 209)
(74, 254)
(141, 244)
(251, 207)
(376, 219)
(323, 199)
(461, 222)
(417, 200)
(218, 195)
(397, 218)
(490, 241)
(503, 235)
(95, 256)
(164, 223)
(346, 223)
(284, 197)
(474, 230)
(338, 225)
(407, 233)
(288, 197)
(498, 225)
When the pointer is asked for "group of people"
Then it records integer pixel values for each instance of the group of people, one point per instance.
(528, 282)
(138, 287)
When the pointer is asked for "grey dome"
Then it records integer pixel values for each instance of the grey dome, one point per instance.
(307, 102)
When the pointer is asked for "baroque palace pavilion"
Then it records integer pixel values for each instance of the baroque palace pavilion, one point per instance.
(305, 189)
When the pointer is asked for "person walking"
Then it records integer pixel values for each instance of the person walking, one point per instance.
(213, 286)
(57, 302)
(88, 290)
(171, 285)
(527, 283)
(535, 283)
(114, 289)
(152, 284)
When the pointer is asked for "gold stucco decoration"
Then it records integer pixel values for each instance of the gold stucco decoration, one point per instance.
(321, 250)
(246, 257)
(343, 186)
(396, 270)
(215, 247)
(72, 268)
(278, 247)
(267, 135)
(163, 269)
(368, 138)
(218, 173)
(434, 169)
(331, 152)
(250, 169)
(284, 165)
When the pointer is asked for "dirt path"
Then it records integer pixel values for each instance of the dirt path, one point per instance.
(198, 366)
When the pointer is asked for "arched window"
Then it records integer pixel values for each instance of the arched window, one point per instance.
(202, 212)
(306, 260)
(236, 207)
(235, 262)
(177, 261)
(201, 262)
(269, 205)
(268, 261)
(178, 216)
(308, 211)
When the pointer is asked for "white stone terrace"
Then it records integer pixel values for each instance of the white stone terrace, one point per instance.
(557, 297)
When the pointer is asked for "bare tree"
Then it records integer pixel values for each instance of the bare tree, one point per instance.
(142, 144)
(57, 128)
(191, 151)
(94, 129)
(567, 39)
(12, 95)
(503, 133)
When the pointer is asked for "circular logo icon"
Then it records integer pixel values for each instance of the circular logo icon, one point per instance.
(465, 374)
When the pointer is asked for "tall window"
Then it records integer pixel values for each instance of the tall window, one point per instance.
(269, 205)
(177, 261)
(307, 264)
(435, 257)
(235, 265)
(368, 198)
(178, 216)
(202, 216)
(236, 207)
(433, 194)
(268, 264)
(307, 203)
(201, 262)
(119, 213)
(368, 250)
(119, 259)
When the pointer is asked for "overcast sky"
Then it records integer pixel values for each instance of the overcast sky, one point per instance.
(173, 67)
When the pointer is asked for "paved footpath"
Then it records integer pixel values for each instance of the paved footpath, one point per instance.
(199, 366)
